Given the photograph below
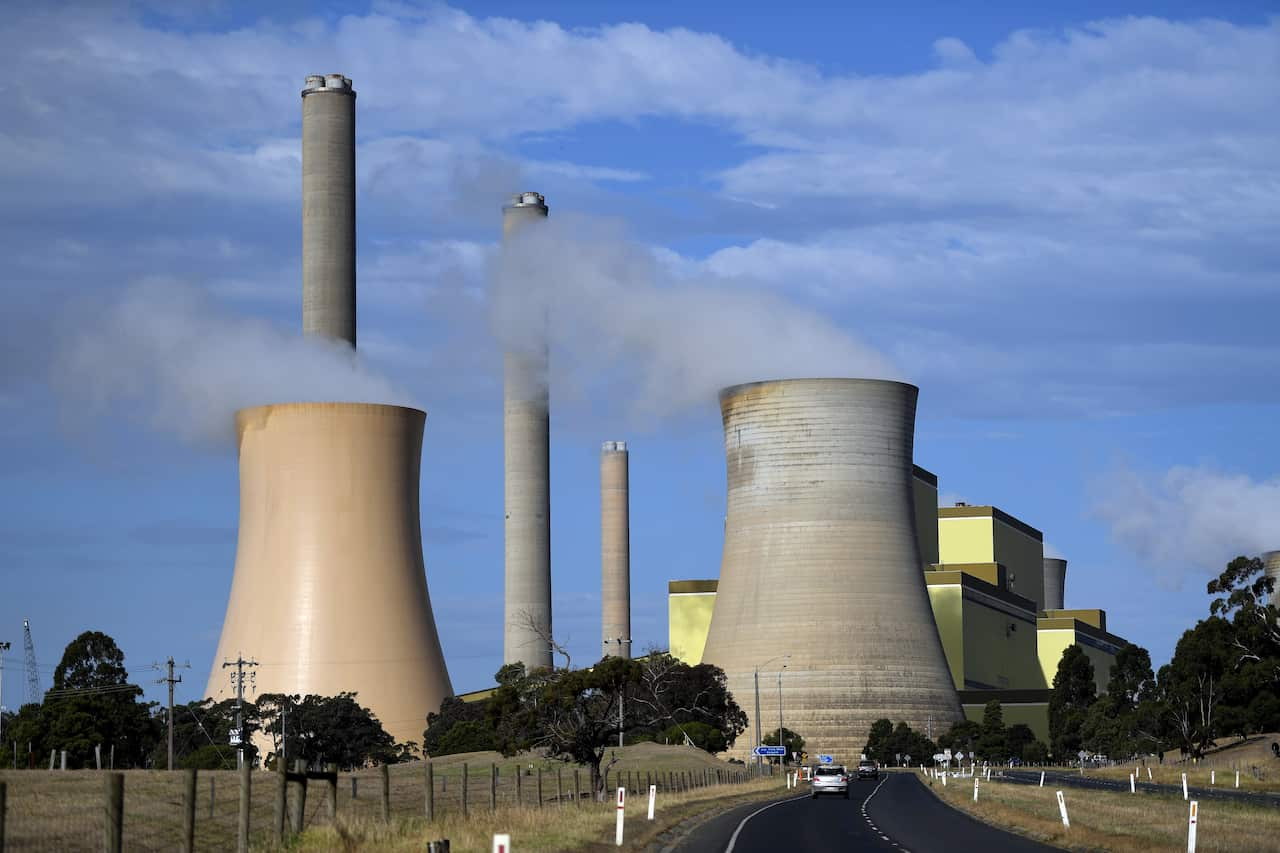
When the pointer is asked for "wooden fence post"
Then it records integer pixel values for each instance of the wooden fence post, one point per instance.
(355, 789)
(559, 789)
(282, 800)
(384, 776)
(577, 787)
(466, 783)
(246, 780)
(3, 793)
(331, 788)
(113, 813)
(493, 787)
(431, 791)
(519, 786)
(299, 797)
(213, 794)
(539, 787)
(188, 812)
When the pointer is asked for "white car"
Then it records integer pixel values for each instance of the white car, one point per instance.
(829, 779)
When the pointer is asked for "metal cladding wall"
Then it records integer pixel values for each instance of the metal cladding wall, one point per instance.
(329, 592)
(821, 563)
(329, 208)
(1055, 583)
(526, 442)
(615, 551)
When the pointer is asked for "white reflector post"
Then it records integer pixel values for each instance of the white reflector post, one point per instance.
(1062, 807)
(1237, 778)
(622, 811)
(1041, 778)
(1213, 777)
(502, 844)
(1184, 786)
(1148, 774)
(975, 790)
(653, 795)
(1191, 826)
(1133, 788)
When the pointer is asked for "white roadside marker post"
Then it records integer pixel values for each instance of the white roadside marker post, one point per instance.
(1148, 774)
(1213, 777)
(975, 790)
(653, 795)
(1184, 786)
(944, 779)
(622, 806)
(1062, 807)
(1132, 787)
(1041, 778)
(1191, 827)
(1237, 778)
(502, 844)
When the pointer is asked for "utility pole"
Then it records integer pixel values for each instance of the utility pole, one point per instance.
(4, 647)
(29, 653)
(781, 742)
(237, 681)
(170, 680)
(757, 676)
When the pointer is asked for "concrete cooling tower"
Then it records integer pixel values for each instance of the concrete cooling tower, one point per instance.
(329, 592)
(526, 442)
(821, 564)
(1055, 583)
(329, 208)
(615, 550)
(1271, 568)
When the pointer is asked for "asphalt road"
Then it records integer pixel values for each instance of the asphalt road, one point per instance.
(897, 813)
(1075, 780)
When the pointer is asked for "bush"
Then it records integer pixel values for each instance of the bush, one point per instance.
(704, 736)
(467, 736)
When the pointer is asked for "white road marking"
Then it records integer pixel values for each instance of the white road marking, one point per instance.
(733, 839)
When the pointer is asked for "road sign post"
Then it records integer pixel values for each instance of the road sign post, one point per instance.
(1191, 827)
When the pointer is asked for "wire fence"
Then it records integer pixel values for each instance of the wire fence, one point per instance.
(155, 810)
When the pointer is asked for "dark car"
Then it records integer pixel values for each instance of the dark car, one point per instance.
(868, 769)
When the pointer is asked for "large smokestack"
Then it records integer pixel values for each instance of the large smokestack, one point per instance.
(1271, 567)
(822, 564)
(615, 550)
(329, 208)
(329, 592)
(526, 437)
(1055, 583)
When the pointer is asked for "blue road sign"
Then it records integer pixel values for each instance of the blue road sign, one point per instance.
(825, 759)
(763, 751)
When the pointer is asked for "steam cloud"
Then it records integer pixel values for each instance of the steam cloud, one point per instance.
(613, 313)
(1190, 521)
(183, 365)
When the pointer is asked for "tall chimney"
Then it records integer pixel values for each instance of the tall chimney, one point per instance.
(329, 208)
(1271, 567)
(526, 443)
(615, 550)
(1055, 583)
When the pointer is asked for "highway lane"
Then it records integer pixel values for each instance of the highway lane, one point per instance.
(898, 813)
(1075, 780)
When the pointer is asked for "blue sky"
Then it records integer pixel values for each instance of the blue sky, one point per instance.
(1059, 223)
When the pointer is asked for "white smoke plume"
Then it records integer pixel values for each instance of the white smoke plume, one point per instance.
(165, 354)
(1189, 522)
(616, 318)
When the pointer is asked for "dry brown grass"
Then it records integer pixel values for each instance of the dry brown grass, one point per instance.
(1123, 822)
(587, 825)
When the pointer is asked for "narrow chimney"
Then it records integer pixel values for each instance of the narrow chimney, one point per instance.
(615, 550)
(526, 438)
(329, 208)
(1271, 567)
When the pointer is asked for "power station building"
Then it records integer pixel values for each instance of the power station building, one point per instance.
(989, 588)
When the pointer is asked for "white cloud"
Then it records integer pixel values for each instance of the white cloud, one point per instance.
(1189, 522)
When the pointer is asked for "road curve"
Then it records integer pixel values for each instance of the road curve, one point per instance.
(898, 813)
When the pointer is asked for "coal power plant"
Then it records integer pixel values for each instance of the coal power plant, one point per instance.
(843, 586)
(821, 562)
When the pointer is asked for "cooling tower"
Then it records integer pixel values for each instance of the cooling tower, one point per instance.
(526, 441)
(1055, 583)
(1271, 567)
(329, 208)
(821, 564)
(615, 551)
(329, 592)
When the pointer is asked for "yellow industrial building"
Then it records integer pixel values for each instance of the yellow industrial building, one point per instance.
(984, 570)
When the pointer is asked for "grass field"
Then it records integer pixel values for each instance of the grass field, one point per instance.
(57, 810)
(1123, 822)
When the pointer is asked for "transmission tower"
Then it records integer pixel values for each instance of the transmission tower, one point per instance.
(33, 675)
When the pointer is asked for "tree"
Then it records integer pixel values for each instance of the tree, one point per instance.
(992, 742)
(1073, 693)
(1240, 590)
(1195, 682)
(962, 736)
(93, 704)
(879, 740)
(704, 736)
(202, 734)
(329, 729)
(453, 712)
(1017, 738)
(792, 741)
